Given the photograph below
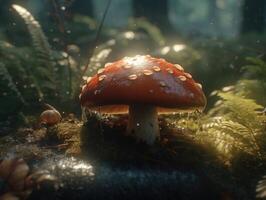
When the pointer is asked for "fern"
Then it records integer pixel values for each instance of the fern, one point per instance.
(257, 68)
(40, 42)
(6, 77)
(235, 125)
(261, 188)
(18, 62)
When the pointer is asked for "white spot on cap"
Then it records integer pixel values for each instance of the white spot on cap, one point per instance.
(179, 67)
(132, 77)
(102, 77)
(88, 79)
(84, 78)
(170, 70)
(199, 85)
(107, 64)
(97, 92)
(191, 95)
(156, 68)
(83, 87)
(162, 84)
(188, 75)
(100, 71)
(182, 78)
(147, 72)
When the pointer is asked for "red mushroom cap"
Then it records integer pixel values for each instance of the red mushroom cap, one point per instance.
(142, 80)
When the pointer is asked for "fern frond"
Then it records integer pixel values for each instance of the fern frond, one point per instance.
(5, 76)
(261, 188)
(242, 110)
(40, 42)
(235, 125)
(257, 68)
(227, 136)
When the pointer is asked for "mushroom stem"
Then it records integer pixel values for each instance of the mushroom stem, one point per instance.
(143, 123)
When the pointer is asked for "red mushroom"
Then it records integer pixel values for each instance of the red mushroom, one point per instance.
(142, 86)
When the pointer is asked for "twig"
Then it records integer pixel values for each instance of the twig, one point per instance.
(97, 37)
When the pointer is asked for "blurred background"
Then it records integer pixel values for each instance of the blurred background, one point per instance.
(45, 52)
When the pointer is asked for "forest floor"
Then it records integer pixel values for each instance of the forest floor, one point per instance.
(98, 160)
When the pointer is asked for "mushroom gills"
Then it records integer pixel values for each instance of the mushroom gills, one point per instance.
(143, 123)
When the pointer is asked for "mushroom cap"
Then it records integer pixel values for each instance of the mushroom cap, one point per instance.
(50, 117)
(142, 80)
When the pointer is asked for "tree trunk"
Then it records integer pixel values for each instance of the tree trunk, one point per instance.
(82, 7)
(156, 11)
(253, 16)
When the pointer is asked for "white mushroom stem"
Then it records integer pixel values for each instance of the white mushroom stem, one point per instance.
(143, 123)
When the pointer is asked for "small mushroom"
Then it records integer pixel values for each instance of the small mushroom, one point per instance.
(50, 117)
(14, 171)
(144, 87)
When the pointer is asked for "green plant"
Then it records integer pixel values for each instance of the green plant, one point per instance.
(51, 67)
(39, 40)
(235, 125)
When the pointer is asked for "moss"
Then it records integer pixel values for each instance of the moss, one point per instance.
(105, 139)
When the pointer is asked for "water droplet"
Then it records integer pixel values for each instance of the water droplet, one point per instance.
(188, 75)
(182, 78)
(102, 77)
(179, 67)
(107, 64)
(147, 72)
(68, 31)
(138, 124)
(132, 77)
(199, 85)
(162, 84)
(100, 71)
(97, 92)
(88, 79)
(156, 68)
(63, 8)
(170, 70)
